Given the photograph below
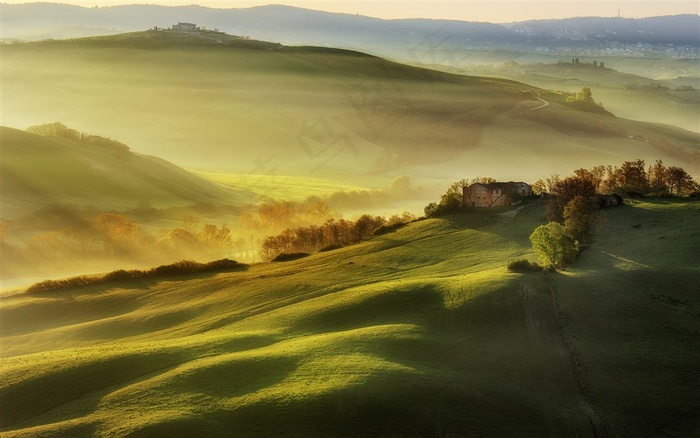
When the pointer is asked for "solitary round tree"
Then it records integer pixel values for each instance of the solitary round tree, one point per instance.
(554, 245)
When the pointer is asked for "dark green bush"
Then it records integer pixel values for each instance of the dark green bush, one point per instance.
(121, 274)
(524, 265)
(388, 228)
(222, 265)
(285, 257)
(178, 268)
(61, 284)
(330, 248)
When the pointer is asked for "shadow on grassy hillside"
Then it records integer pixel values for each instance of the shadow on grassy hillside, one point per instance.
(22, 400)
(424, 334)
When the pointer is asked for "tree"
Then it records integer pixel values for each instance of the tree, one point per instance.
(633, 176)
(539, 187)
(585, 95)
(180, 241)
(554, 245)
(552, 182)
(482, 180)
(365, 225)
(595, 176)
(581, 216)
(678, 180)
(214, 239)
(657, 175)
(612, 179)
(55, 130)
(118, 233)
(190, 222)
(563, 192)
(454, 196)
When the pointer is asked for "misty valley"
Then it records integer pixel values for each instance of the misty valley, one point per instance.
(432, 228)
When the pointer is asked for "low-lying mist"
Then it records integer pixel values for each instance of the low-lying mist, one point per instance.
(64, 240)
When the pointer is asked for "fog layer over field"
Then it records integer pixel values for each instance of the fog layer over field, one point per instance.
(247, 107)
(282, 136)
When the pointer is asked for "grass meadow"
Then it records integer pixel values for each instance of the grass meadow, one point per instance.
(418, 332)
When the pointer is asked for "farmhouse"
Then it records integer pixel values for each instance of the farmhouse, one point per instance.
(184, 27)
(495, 194)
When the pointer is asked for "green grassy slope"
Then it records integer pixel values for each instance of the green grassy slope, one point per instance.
(266, 109)
(632, 309)
(419, 332)
(39, 171)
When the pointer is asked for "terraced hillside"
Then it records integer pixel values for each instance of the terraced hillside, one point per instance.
(418, 332)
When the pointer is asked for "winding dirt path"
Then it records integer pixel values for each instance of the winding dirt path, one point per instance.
(544, 104)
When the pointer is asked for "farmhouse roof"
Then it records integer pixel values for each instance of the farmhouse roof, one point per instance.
(499, 185)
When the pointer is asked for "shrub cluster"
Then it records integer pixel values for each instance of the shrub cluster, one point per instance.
(330, 248)
(179, 268)
(524, 265)
(59, 130)
(286, 257)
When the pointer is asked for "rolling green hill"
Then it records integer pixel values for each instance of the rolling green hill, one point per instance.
(419, 332)
(242, 107)
(37, 172)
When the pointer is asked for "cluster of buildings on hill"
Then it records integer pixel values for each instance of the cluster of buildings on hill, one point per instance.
(500, 194)
(188, 28)
(497, 194)
(634, 50)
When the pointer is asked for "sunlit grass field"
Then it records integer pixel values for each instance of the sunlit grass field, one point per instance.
(419, 332)
(285, 187)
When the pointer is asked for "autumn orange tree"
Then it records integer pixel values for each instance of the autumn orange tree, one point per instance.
(118, 234)
(332, 233)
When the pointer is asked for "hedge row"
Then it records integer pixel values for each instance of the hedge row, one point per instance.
(183, 267)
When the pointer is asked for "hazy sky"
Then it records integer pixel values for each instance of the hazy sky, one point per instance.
(498, 11)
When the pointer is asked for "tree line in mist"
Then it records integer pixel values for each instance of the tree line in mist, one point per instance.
(332, 234)
(59, 130)
(65, 238)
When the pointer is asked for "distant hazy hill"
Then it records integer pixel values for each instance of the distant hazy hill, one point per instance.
(674, 29)
(301, 26)
(243, 106)
(38, 171)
